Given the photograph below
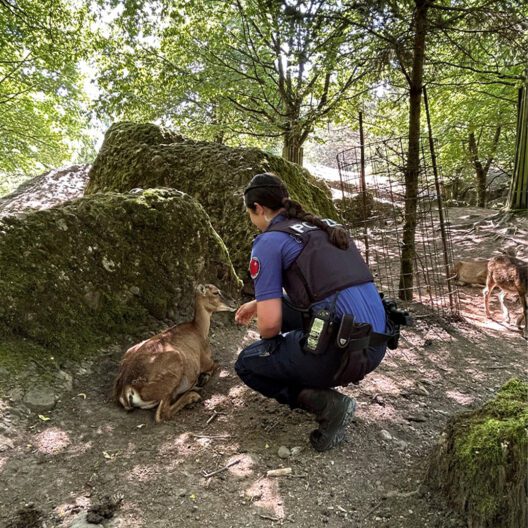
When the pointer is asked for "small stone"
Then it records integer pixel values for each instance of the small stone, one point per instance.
(81, 522)
(5, 443)
(402, 444)
(416, 418)
(385, 435)
(296, 450)
(16, 394)
(40, 399)
(65, 380)
(283, 452)
(421, 390)
(379, 400)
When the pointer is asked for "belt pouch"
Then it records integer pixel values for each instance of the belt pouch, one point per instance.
(353, 340)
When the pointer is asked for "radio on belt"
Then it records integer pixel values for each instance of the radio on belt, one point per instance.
(317, 333)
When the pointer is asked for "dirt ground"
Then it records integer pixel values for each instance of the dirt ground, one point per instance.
(87, 461)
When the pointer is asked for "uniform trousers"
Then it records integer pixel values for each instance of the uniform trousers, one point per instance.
(279, 368)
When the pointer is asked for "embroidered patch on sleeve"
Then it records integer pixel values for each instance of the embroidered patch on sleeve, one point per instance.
(254, 267)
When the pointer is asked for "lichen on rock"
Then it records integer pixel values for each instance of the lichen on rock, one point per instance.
(103, 266)
(480, 462)
(145, 155)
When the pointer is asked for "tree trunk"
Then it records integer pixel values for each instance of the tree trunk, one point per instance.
(482, 170)
(479, 170)
(292, 148)
(518, 196)
(413, 159)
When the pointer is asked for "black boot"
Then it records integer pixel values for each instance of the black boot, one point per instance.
(332, 410)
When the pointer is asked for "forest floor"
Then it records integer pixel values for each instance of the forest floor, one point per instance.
(88, 460)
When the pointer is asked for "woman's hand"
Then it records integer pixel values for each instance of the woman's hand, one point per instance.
(246, 313)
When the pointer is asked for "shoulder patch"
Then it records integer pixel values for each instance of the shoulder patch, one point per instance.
(254, 267)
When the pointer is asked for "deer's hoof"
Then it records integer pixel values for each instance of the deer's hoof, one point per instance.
(203, 378)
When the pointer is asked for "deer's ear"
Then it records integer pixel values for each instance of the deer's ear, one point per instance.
(200, 289)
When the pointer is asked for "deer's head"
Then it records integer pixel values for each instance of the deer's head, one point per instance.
(210, 297)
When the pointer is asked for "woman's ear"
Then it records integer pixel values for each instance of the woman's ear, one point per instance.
(259, 209)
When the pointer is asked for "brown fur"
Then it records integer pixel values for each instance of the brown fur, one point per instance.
(511, 276)
(470, 271)
(164, 371)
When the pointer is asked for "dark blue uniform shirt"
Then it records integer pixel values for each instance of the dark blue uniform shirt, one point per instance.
(273, 252)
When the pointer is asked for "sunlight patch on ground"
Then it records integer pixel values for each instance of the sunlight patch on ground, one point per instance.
(264, 493)
(183, 444)
(105, 429)
(128, 516)
(237, 394)
(142, 473)
(224, 374)
(64, 511)
(79, 449)
(385, 385)
(52, 441)
(130, 450)
(378, 413)
(459, 397)
(440, 359)
(244, 466)
(191, 444)
(476, 375)
(216, 400)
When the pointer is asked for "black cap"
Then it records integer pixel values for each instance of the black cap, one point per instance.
(265, 180)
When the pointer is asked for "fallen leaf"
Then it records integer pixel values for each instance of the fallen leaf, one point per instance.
(44, 418)
(82, 395)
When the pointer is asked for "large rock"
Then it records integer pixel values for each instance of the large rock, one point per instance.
(479, 464)
(145, 155)
(47, 190)
(105, 265)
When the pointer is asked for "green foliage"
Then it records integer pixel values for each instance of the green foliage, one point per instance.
(41, 105)
(250, 71)
(475, 57)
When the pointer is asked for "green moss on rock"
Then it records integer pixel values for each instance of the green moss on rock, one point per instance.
(75, 276)
(480, 463)
(144, 155)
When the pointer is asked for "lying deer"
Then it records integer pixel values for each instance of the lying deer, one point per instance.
(511, 276)
(165, 370)
(470, 271)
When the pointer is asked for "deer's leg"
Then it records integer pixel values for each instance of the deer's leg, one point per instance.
(524, 315)
(207, 368)
(184, 400)
(166, 411)
(163, 410)
(504, 308)
(490, 285)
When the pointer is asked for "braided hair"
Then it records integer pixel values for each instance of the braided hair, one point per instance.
(269, 190)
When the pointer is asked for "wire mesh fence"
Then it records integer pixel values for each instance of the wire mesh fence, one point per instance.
(372, 204)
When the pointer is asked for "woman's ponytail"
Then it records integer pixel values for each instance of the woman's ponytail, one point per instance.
(336, 235)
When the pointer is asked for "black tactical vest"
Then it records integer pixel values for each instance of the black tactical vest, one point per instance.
(321, 268)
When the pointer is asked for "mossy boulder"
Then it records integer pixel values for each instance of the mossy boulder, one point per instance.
(480, 462)
(77, 275)
(145, 155)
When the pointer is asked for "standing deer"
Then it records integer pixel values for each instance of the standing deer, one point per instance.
(163, 371)
(511, 276)
(472, 272)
